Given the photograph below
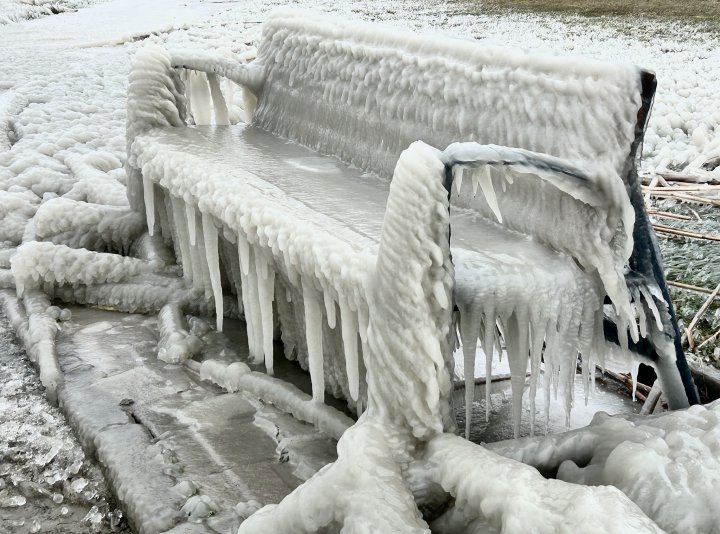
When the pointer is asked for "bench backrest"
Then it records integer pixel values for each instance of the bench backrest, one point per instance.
(364, 93)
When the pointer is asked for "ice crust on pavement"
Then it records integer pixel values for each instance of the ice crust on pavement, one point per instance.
(82, 165)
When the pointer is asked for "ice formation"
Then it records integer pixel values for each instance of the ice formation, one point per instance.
(651, 459)
(305, 262)
(321, 277)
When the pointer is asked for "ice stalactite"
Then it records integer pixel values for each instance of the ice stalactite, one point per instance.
(180, 218)
(313, 334)
(244, 257)
(486, 185)
(349, 330)
(266, 294)
(149, 198)
(199, 97)
(212, 255)
(516, 340)
(489, 343)
(201, 257)
(218, 101)
(190, 217)
(329, 302)
(469, 328)
(458, 178)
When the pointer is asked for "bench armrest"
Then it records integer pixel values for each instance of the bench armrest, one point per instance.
(250, 76)
(578, 179)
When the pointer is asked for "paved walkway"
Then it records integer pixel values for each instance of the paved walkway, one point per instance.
(171, 445)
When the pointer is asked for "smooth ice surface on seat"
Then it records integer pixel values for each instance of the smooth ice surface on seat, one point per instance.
(355, 200)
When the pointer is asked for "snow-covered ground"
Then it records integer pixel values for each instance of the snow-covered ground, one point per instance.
(18, 10)
(64, 79)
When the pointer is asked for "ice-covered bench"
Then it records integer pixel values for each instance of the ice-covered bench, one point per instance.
(328, 212)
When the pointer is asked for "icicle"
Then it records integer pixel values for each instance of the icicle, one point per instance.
(149, 191)
(469, 331)
(266, 294)
(230, 257)
(190, 216)
(329, 308)
(188, 91)
(440, 294)
(634, 374)
(642, 320)
(218, 100)
(349, 329)
(653, 307)
(313, 334)
(475, 183)
(622, 334)
(210, 236)
(243, 253)
(363, 321)
(255, 325)
(181, 226)
(458, 178)
(203, 261)
(200, 98)
(516, 341)
(488, 342)
(488, 190)
(537, 331)
(247, 304)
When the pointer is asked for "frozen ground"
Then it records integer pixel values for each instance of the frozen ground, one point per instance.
(62, 106)
(18, 10)
(47, 484)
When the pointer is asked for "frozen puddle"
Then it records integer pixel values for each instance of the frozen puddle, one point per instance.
(181, 453)
(47, 484)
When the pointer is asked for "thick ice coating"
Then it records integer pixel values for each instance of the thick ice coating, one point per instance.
(651, 459)
(541, 235)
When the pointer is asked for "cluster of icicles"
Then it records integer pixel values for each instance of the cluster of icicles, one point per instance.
(253, 276)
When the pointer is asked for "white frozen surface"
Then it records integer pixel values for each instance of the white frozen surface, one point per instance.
(54, 112)
(653, 460)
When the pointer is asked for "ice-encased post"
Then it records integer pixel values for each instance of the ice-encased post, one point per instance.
(646, 258)
(409, 357)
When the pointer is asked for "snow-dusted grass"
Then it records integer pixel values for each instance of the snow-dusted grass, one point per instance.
(694, 10)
